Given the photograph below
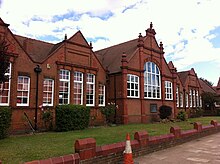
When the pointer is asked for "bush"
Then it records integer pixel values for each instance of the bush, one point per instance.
(165, 112)
(109, 112)
(182, 115)
(72, 117)
(197, 112)
(5, 121)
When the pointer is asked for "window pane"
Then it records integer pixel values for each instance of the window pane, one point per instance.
(64, 87)
(23, 91)
(132, 86)
(152, 81)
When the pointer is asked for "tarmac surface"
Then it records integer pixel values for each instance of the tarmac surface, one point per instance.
(204, 150)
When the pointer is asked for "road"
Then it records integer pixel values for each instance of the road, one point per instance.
(203, 150)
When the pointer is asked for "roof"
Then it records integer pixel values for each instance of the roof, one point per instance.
(218, 85)
(183, 76)
(217, 88)
(36, 49)
(111, 57)
(206, 87)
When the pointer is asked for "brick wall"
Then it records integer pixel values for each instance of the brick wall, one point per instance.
(87, 152)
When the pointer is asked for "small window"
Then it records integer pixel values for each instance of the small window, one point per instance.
(181, 99)
(101, 95)
(168, 90)
(48, 89)
(177, 96)
(23, 91)
(5, 89)
(90, 90)
(64, 89)
(132, 86)
(190, 97)
(187, 100)
(78, 88)
(153, 108)
(194, 98)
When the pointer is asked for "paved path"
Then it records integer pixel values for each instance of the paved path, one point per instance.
(204, 150)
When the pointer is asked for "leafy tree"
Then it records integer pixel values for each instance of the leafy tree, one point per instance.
(4, 60)
(209, 99)
(207, 81)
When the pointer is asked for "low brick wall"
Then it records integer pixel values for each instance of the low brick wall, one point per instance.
(86, 151)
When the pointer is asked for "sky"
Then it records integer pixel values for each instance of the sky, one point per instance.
(189, 29)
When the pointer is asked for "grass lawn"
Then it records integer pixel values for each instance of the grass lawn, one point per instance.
(19, 149)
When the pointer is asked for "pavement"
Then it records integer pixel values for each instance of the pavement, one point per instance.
(204, 150)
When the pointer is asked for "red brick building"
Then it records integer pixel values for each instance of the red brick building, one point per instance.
(70, 74)
(134, 75)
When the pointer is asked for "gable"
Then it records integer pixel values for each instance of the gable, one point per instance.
(150, 42)
(78, 38)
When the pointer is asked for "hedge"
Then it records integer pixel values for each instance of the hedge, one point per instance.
(72, 117)
(5, 121)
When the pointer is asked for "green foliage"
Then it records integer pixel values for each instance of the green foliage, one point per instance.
(209, 99)
(109, 112)
(5, 121)
(165, 112)
(4, 60)
(197, 112)
(207, 81)
(72, 117)
(47, 117)
(218, 111)
(182, 115)
(20, 149)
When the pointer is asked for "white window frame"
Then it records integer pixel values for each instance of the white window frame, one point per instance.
(65, 80)
(78, 82)
(187, 100)
(47, 92)
(197, 98)
(168, 90)
(102, 94)
(152, 81)
(200, 99)
(22, 90)
(177, 96)
(88, 84)
(9, 87)
(181, 99)
(134, 82)
(190, 98)
(194, 98)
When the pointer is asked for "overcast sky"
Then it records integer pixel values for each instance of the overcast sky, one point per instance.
(189, 29)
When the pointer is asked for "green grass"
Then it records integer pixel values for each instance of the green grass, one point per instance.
(19, 149)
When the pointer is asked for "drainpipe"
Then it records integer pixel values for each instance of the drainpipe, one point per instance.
(115, 116)
(37, 70)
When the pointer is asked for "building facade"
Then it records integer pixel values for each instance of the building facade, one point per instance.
(134, 75)
(43, 75)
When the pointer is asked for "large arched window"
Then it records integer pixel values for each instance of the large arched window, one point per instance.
(152, 83)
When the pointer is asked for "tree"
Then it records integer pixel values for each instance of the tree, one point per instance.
(4, 60)
(207, 81)
(209, 99)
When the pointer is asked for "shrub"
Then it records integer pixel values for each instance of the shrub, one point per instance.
(182, 115)
(197, 112)
(47, 117)
(165, 112)
(109, 112)
(72, 117)
(5, 121)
